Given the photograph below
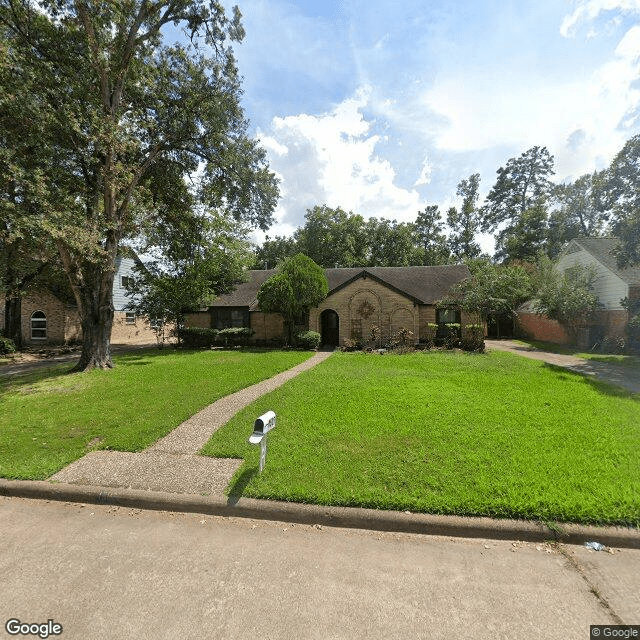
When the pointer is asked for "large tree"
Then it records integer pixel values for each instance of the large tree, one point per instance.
(523, 185)
(429, 237)
(124, 117)
(464, 223)
(622, 197)
(299, 285)
(391, 243)
(331, 237)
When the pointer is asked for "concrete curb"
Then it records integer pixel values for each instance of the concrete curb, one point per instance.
(349, 517)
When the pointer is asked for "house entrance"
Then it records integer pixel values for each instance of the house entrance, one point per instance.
(330, 328)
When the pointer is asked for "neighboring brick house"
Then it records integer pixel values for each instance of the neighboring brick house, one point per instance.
(391, 298)
(612, 284)
(46, 319)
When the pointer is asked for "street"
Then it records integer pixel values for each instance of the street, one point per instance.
(113, 572)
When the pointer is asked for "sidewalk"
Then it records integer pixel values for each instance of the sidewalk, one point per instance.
(621, 376)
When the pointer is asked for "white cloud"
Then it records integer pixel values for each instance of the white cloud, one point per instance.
(425, 173)
(589, 10)
(332, 159)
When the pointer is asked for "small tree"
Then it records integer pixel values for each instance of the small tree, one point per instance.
(566, 297)
(491, 289)
(299, 285)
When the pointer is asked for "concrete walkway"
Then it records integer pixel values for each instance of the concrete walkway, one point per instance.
(622, 376)
(172, 464)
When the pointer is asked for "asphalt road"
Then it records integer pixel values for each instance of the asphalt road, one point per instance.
(109, 572)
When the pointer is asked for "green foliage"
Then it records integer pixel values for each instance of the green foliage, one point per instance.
(333, 237)
(491, 289)
(197, 337)
(429, 237)
(391, 244)
(122, 121)
(473, 338)
(299, 285)
(308, 339)
(273, 252)
(464, 224)
(566, 297)
(7, 346)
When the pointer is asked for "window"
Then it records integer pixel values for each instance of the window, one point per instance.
(127, 282)
(447, 316)
(156, 323)
(224, 317)
(38, 326)
(130, 317)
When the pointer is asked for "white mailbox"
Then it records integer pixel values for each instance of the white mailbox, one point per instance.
(262, 426)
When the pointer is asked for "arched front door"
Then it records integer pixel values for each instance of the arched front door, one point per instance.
(330, 328)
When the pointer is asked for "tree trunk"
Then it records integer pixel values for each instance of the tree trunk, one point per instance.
(13, 320)
(95, 307)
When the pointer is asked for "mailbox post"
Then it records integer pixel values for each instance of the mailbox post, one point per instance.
(261, 428)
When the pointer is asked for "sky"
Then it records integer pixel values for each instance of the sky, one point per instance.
(382, 108)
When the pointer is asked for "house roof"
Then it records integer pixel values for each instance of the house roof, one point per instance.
(603, 250)
(423, 285)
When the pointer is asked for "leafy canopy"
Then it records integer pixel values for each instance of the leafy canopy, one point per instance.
(299, 285)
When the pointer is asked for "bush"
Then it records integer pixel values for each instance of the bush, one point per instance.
(633, 332)
(196, 337)
(473, 338)
(349, 345)
(6, 346)
(235, 336)
(429, 333)
(451, 338)
(308, 339)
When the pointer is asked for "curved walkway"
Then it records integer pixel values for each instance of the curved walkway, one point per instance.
(626, 377)
(172, 463)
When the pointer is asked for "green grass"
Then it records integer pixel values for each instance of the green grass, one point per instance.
(624, 360)
(494, 435)
(50, 418)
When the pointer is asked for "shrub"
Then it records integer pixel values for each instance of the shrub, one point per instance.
(375, 335)
(349, 345)
(473, 338)
(633, 332)
(6, 346)
(308, 339)
(429, 333)
(235, 336)
(451, 338)
(196, 337)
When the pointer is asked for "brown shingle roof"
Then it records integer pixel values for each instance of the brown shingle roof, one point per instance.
(424, 285)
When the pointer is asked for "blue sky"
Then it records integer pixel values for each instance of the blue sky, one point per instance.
(382, 107)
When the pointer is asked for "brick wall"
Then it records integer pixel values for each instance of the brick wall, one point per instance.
(365, 303)
(267, 326)
(56, 317)
(199, 319)
(140, 332)
(538, 327)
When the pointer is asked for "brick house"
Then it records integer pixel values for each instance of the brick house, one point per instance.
(612, 284)
(49, 319)
(388, 297)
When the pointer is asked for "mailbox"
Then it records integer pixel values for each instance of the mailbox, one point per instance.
(262, 426)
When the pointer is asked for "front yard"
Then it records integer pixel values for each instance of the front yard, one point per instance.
(454, 433)
(50, 418)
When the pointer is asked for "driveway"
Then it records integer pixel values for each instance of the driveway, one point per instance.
(625, 377)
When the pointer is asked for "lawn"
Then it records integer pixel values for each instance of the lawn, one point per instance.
(452, 433)
(51, 418)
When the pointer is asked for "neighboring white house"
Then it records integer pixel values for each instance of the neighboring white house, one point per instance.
(612, 285)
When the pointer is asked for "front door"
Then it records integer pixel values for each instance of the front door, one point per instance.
(330, 328)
